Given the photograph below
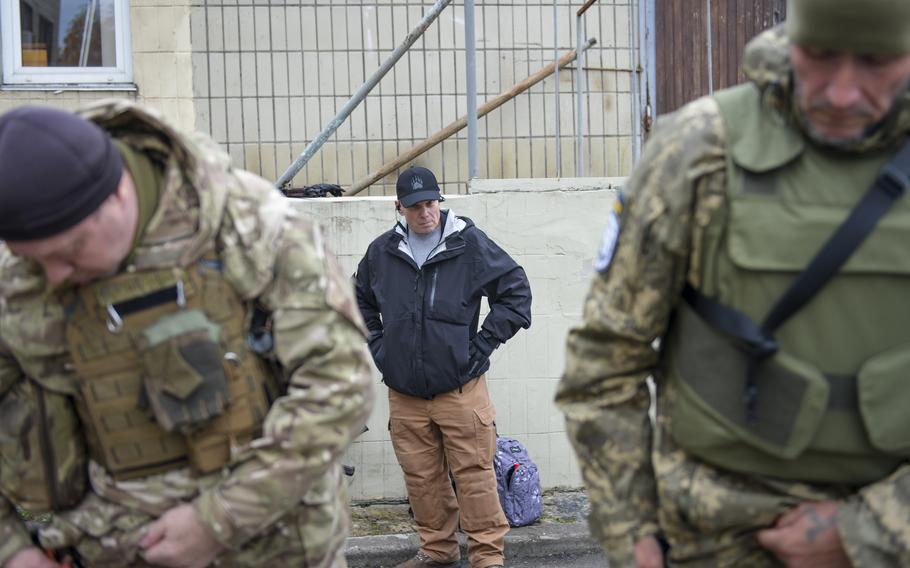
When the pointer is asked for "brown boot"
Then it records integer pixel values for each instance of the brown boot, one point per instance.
(421, 560)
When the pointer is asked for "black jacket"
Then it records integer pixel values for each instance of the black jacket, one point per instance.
(422, 320)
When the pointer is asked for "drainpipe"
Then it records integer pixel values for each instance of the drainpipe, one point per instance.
(471, 68)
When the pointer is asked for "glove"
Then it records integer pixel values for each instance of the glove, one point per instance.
(479, 352)
(185, 381)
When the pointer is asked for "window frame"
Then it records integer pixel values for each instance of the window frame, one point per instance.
(17, 76)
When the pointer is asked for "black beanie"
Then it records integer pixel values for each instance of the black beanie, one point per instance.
(56, 169)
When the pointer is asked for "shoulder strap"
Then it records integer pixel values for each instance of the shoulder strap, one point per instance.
(890, 184)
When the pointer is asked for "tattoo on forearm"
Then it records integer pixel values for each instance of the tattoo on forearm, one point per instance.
(819, 524)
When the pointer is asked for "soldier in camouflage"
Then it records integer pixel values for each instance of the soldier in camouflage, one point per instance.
(138, 427)
(806, 465)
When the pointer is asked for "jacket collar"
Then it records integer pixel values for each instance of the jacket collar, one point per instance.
(452, 226)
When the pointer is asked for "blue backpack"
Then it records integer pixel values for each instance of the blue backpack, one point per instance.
(518, 482)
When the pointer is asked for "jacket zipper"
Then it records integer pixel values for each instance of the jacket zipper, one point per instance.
(418, 337)
(443, 255)
(433, 250)
(433, 287)
(47, 453)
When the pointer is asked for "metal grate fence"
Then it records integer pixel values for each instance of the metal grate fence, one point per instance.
(269, 75)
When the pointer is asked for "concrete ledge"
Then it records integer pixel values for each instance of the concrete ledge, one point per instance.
(536, 541)
(382, 550)
(537, 185)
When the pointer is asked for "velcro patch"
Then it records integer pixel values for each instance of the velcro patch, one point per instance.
(610, 236)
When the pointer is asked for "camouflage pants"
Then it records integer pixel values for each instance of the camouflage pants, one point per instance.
(106, 535)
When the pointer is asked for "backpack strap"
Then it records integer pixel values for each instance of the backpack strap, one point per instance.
(890, 184)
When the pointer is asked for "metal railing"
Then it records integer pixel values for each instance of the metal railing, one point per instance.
(270, 78)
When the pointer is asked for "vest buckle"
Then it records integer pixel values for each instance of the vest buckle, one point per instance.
(114, 321)
(181, 296)
(893, 181)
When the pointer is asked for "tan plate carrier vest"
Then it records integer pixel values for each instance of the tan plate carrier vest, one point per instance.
(109, 340)
(834, 404)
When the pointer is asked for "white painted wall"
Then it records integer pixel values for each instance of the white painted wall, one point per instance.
(552, 228)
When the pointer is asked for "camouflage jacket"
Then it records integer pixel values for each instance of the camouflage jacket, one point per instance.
(270, 254)
(638, 480)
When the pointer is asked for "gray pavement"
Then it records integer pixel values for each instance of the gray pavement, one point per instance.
(539, 545)
(559, 539)
(592, 560)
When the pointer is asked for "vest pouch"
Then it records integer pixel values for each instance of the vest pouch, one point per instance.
(709, 415)
(184, 376)
(215, 444)
(884, 400)
(42, 452)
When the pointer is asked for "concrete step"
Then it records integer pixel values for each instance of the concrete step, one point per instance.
(557, 542)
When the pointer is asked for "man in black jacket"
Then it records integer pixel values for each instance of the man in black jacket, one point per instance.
(419, 288)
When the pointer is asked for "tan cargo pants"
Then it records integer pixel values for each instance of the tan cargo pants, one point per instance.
(453, 432)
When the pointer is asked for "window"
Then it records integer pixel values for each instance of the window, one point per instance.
(59, 43)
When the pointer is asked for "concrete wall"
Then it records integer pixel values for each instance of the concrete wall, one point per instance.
(230, 70)
(552, 228)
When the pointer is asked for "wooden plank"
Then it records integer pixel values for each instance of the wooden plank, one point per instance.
(719, 25)
(453, 127)
(681, 42)
(700, 47)
(584, 8)
(680, 37)
(662, 31)
(693, 45)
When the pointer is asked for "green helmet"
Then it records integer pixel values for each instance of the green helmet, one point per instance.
(860, 26)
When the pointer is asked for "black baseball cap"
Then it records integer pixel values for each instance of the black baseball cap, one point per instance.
(417, 184)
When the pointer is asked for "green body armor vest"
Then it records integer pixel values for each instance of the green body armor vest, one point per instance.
(833, 404)
(166, 378)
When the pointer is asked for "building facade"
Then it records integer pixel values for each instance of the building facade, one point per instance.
(264, 78)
